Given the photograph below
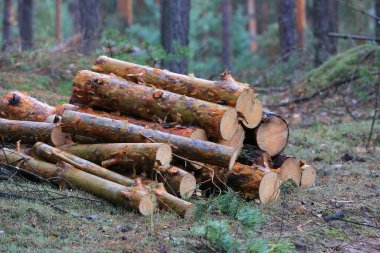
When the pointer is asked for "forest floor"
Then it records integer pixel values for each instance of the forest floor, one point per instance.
(348, 180)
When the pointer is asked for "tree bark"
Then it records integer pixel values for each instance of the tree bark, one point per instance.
(58, 34)
(287, 27)
(131, 198)
(175, 16)
(7, 25)
(133, 157)
(271, 135)
(377, 22)
(252, 25)
(226, 91)
(113, 93)
(19, 106)
(324, 46)
(74, 11)
(301, 22)
(227, 34)
(119, 131)
(25, 20)
(125, 8)
(89, 25)
(29, 132)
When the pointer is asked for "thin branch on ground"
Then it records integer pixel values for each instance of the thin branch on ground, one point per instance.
(374, 115)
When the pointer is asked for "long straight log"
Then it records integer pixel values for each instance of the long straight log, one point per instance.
(54, 155)
(226, 91)
(271, 135)
(115, 94)
(119, 131)
(138, 157)
(29, 132)
(131, 198)
(19, 106)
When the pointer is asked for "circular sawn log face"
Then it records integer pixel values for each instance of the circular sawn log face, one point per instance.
(187, 186)
(309, 175)
(291, 169)
(269, 189)
(148, 204)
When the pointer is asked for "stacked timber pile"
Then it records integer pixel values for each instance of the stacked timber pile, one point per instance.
(144, 138)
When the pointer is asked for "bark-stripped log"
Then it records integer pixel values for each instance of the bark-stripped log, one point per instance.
(309, 174)
(226, 91)
(19, 106)
(289, 168)
(114, 94)
(137, 157)
(271, 135)
(131, 198)
(54, 155)
(29, 132)
(120, 131)
(254, 182)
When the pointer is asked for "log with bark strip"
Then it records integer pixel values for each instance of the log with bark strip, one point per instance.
(120, 131)
(29, 132)
(271, 135)
(19, 106)
(136, 157)
(226, 91)
(114, 94)
(131, 198)
(54, 155)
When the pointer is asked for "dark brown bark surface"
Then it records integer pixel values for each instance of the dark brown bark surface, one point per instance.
(89, 24)
(287, 26)
(25, 22)
(175, 17)
(7, 25)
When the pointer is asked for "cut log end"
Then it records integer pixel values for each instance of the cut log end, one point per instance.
(148, 204)
(272, 136)
(269, 189)
(308, 177)
(255, 115)
(58, 138)
(233, 159)
(164, 155)
(187, 186)
(199, 134)
(290, 169)
(228, 124)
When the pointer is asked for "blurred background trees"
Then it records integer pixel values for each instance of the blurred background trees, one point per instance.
(194, 36)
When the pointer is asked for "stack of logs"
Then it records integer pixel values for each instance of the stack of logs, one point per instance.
(145, 138)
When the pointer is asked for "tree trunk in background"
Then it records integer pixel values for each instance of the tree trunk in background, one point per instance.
(252, 24)
(73, 9)
(377, 22)
(58, 36)
(333, 15)
(175, 17)
(7, 25)
(263, 17)
(226, 36)
(89, 25)
(301, 22)
(325, 20)
(125, 9)
(25, 20)
(287, 27)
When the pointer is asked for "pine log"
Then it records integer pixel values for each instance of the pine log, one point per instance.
(114, 94)
(309, 174)
(178, 182)
(138, 157)
(254, 182)
(54, 155)
(181, 130)
(271, 135)
(131, 198)
(19, 106)
(29, 132)
(237, 139)
(226, 91)
(289, 168)
(120, 131)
